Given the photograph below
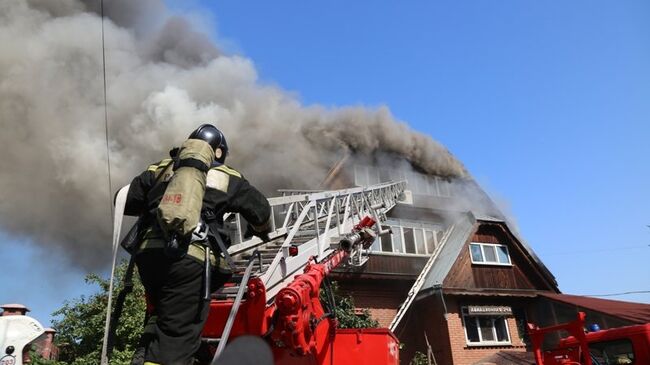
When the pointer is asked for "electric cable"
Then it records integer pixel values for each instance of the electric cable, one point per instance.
(105, 353)
(108, 151)
(617, 294)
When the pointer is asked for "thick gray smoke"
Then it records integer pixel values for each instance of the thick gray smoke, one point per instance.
(163, 79)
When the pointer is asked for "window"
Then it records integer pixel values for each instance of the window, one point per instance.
(444, 187)
(386, 240)
(419, 241)
(409, 237)
(373, 176)
(409, 240)
(430, 238)
(384, 175)
(360, 176)
(397, 239)
(432, 187)
(421, 183)
(485, 329)
(612, 352)
(489, 254)
(376, 244)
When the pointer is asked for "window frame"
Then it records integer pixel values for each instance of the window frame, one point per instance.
(465, 316)
(419, 233)
(495, 246)
(408, 233)
(434, 241)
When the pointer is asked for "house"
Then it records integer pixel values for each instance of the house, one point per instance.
(467, 284)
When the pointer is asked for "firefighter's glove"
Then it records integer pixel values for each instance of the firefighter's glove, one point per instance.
(264, 236)
(250, 231)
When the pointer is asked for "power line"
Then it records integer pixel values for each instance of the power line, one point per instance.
(104, 353)
(108, 152)
(617, 294)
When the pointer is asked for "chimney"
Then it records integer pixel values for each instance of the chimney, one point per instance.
(13, 310)
(47, 345)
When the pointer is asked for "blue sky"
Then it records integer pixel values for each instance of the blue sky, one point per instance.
(546, 103)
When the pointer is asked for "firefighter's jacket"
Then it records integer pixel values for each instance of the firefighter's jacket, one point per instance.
(226, 191)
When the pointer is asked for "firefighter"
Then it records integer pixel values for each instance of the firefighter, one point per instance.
(174, 283)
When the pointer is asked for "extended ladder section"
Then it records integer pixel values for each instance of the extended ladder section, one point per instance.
(306, 224)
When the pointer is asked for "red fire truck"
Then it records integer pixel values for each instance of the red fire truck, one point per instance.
(623, 345)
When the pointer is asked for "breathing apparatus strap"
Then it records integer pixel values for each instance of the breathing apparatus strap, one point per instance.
(191, 162)
(214, 237)
(131, 242)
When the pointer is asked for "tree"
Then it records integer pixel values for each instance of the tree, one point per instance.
(80, 324)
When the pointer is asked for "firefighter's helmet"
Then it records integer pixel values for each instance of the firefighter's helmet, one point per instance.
(214, 137)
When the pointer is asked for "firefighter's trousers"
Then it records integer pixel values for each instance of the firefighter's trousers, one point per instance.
(175, 289)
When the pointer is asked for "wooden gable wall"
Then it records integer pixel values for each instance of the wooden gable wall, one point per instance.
(522, 275)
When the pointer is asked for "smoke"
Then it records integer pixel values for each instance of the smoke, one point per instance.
(163, 79)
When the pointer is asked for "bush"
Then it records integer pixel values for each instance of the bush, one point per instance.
(345, 310)
(419, 359)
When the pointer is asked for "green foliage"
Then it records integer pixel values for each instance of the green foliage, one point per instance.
(419, 359)
(345, 311)
(38, 360)
(80, 324)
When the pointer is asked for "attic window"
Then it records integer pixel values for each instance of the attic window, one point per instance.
(489, 254)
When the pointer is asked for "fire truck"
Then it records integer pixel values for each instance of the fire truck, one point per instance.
(623, 345)
(276, 291)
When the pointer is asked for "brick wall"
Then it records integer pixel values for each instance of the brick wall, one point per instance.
(381, 298)
(446, 336)
(382, 308)
(467, 355)
(425, 316)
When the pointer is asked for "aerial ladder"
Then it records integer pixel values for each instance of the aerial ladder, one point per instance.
(274, 293)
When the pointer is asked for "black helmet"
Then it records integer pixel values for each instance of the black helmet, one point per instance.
(214, 137)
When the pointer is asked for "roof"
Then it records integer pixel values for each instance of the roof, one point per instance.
(14, 306)
(529, 250)
(449, 251)
(634, 312)
(461, 231)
